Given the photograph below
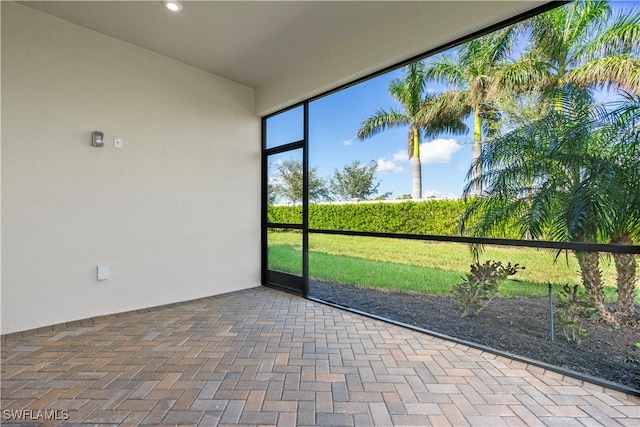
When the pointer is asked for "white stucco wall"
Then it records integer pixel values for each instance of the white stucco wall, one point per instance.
(174, 214)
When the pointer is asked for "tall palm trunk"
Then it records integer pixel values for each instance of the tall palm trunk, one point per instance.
(592, 280)
(625, 280)
(476, 168)
(416, 192)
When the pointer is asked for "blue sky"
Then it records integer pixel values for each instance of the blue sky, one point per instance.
(334, 123)
(336, 118)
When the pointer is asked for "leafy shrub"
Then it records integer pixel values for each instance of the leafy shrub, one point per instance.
(481, 285)
(285, 214)
(436, 217)
(575, 307)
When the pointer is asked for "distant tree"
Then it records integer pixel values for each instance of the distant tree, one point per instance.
(288, 182)
(272, 195)
(384, 196)
(404, 197)
(355, 181)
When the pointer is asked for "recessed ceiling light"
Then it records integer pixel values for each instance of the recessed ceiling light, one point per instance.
(173, 5)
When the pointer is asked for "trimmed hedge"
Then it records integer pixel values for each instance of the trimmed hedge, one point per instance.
(285, 214)
(437, 217)
(434, 217)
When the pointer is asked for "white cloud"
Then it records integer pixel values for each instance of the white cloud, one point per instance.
(348, 142)
(388, 166)
(438, 151)
(401, 156)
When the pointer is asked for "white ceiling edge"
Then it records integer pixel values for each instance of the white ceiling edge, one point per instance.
(417, 30)
(288, 51)
(250, 42)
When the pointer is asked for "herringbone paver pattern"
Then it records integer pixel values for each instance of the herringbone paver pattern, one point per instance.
(262, 357)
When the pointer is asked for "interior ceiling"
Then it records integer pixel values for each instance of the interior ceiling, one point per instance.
(250, 42)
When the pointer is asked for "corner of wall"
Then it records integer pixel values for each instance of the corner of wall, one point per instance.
(172, 214)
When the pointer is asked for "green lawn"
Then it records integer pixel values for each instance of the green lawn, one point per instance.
(417, 266)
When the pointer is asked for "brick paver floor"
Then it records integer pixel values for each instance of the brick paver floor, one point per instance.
(263, 357)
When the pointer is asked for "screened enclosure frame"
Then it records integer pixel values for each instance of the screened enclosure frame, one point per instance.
(281, 280)
(298, 284)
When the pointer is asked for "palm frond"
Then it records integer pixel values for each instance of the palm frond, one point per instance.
(380, 121)
(546, 33)
(615, 71)
(620, 152)
(490, 116)
(408, 90)
(524, 75)
(497, 46)
(442, 112)
(544, 177)
(446, 70)
(584, 19)
(621, 36)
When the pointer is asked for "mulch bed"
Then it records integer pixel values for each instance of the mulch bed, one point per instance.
(517, 326)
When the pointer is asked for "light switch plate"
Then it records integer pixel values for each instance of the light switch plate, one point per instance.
(103, 272)
(117, 142)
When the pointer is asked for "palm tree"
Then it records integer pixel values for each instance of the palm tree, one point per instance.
(423, 113)
(581, 44)
(473, 71)
(547, 177)
(622, 216)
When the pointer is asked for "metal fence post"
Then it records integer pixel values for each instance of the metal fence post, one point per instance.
(551, 333)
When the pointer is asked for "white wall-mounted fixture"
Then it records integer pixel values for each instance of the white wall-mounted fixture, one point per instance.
(97, 138)
(117, 142)
(103, 272)
(173, 5)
